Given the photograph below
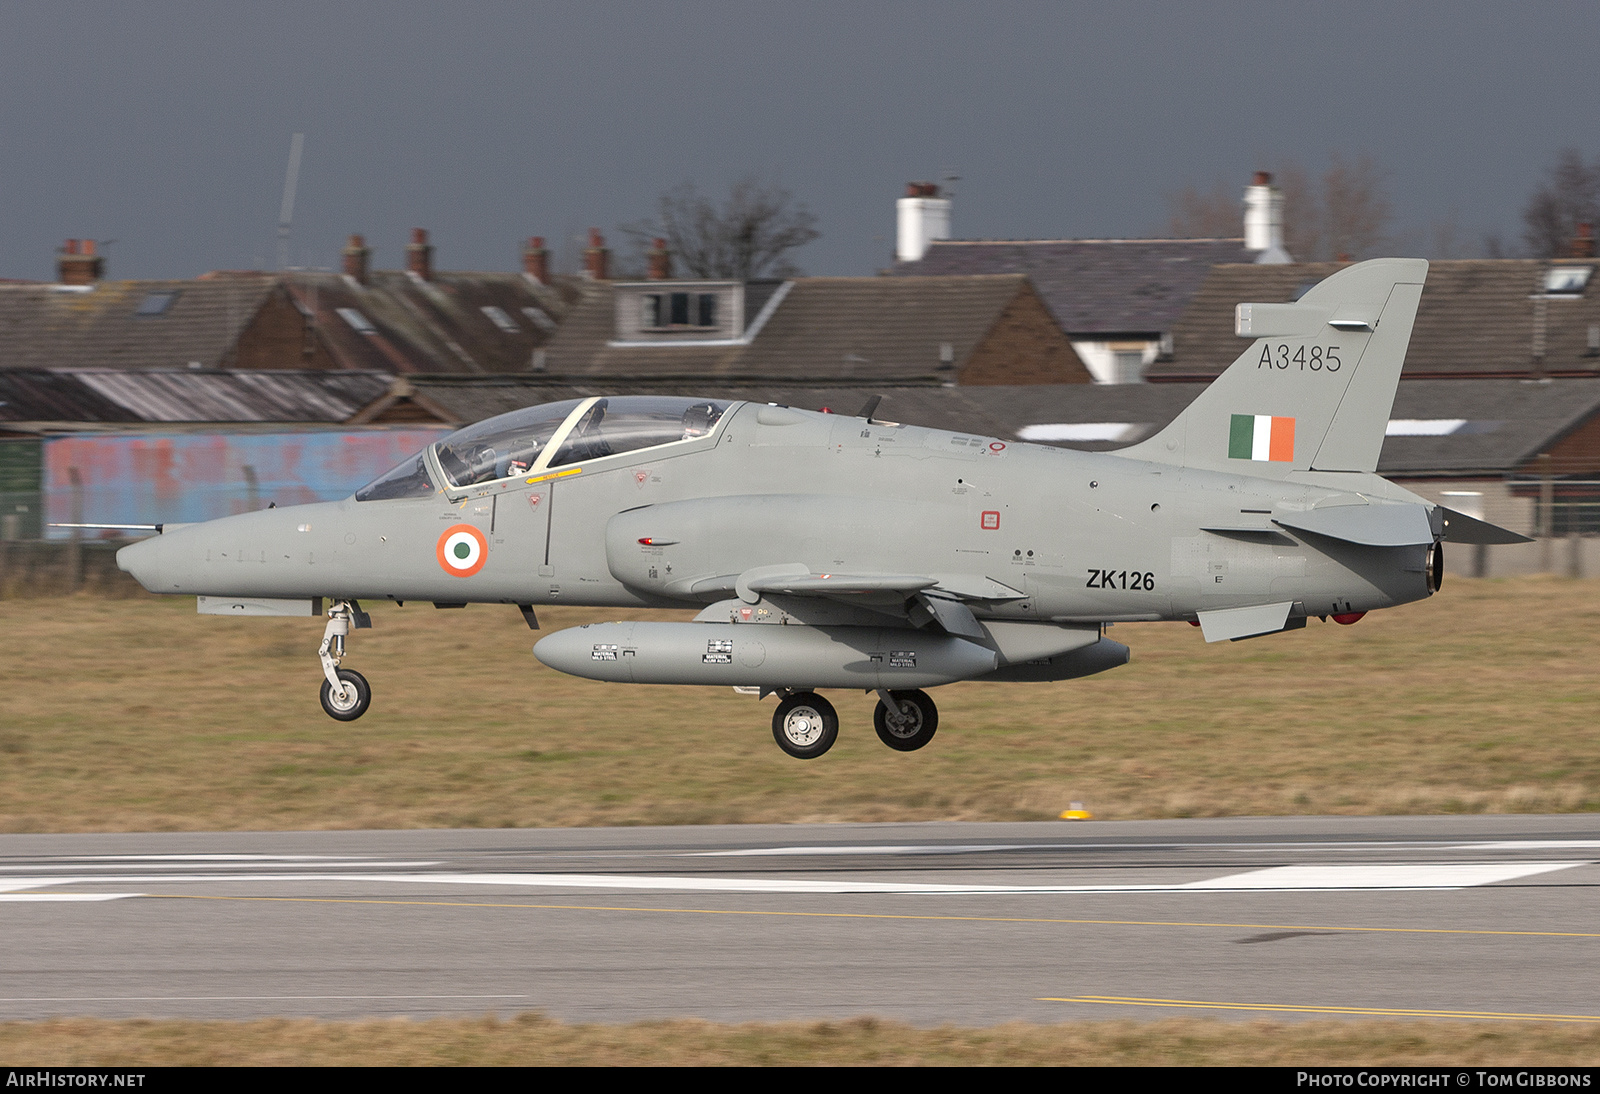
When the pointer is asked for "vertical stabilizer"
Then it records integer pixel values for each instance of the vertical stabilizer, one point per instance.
(1314, 390)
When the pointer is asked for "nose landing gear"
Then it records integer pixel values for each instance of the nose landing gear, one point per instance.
(346, 695)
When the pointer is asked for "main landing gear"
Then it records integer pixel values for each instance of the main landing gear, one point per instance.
(346, 695)
(805, 725)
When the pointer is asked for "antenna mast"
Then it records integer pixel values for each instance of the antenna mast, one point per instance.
(291, 179)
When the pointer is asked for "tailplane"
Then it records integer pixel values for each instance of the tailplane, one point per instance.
(1315, 388)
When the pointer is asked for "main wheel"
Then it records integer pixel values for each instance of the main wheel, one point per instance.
(353, 703)
(805, 725)
(912, 727)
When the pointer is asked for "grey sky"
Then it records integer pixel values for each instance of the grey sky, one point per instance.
(166, 126)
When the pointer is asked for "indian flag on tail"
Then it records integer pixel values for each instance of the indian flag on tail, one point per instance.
(1261, 437)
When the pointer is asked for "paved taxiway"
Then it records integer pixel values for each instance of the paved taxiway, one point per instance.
(928, 923)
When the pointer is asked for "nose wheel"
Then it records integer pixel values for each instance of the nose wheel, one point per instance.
(346, 695)
(351, 700)
(805, 725)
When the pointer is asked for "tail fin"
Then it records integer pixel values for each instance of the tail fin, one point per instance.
(1314, 390)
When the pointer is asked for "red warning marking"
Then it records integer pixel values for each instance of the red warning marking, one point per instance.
(991, 520)
(996, 446)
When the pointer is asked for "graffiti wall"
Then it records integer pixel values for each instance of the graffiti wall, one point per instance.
(160, 478)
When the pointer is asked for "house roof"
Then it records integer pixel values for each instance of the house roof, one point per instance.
(439, 325)
(50, 326)
(1477, 318)
(824, 329)
(1092, 286)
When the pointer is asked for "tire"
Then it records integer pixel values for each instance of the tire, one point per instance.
(805, 725)
(919, 720)
(358, 697)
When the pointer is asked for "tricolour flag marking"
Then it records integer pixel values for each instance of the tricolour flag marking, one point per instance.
(1261, 437)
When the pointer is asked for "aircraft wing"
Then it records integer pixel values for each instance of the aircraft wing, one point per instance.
(951, 587)
(810, 584)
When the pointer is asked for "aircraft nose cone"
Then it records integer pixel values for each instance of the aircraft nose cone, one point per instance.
(143, 561)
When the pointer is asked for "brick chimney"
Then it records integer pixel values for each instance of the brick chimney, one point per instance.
(596, 257)
(1582, 245)
(419, 254)
(77, 264)
(536, 260)
(660, 261)
(356, 256)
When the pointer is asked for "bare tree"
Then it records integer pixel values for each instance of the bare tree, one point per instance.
(1302, 212)
(1570, 196)
(1356, 213)
(1347, 215)
(1204, 216)
(749, 236)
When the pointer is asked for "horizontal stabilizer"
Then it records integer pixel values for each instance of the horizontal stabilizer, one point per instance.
(1230, 623)
(1460, 528)
(1368, 525)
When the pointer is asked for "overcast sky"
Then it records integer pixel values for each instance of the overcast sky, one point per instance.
(166, 126)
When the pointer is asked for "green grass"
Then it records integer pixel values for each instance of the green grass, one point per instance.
(141, 715)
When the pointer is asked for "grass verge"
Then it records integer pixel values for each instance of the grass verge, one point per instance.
(532, 1039)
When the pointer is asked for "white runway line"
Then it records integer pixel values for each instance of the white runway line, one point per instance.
(1347, 877)
(1379, 875)
(49, 898)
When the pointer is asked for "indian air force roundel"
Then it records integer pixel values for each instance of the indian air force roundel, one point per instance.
(462, 550)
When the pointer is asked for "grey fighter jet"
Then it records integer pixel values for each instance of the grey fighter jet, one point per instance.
(827, 551)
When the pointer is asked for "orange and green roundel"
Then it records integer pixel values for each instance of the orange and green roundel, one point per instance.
(462, 550)
(1261, 437)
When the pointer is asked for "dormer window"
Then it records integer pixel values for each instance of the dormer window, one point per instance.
(666, 311)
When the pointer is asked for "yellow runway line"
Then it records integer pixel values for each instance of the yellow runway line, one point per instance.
(873, 915)
(1345, 1012)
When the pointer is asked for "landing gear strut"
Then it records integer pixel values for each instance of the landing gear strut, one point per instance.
(346, 695)
(805, 725)
(905, 720)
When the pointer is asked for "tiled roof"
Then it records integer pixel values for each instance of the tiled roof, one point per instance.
(48, 326)
(1476, 318)
(437, 325)
(1092, 286)
(415, 326)
(826, 328)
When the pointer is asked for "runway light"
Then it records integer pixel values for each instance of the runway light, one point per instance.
(1076, 811)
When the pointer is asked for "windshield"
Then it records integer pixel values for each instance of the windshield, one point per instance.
(629, 423)
(409, 480)
(500, 447)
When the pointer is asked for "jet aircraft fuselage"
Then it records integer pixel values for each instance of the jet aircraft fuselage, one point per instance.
(825, 550)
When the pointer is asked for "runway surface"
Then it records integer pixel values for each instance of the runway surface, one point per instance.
(1495, 918)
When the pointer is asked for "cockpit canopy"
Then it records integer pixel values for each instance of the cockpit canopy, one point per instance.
(552, 435)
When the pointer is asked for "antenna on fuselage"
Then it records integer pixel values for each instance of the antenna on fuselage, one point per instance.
(872, 404)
